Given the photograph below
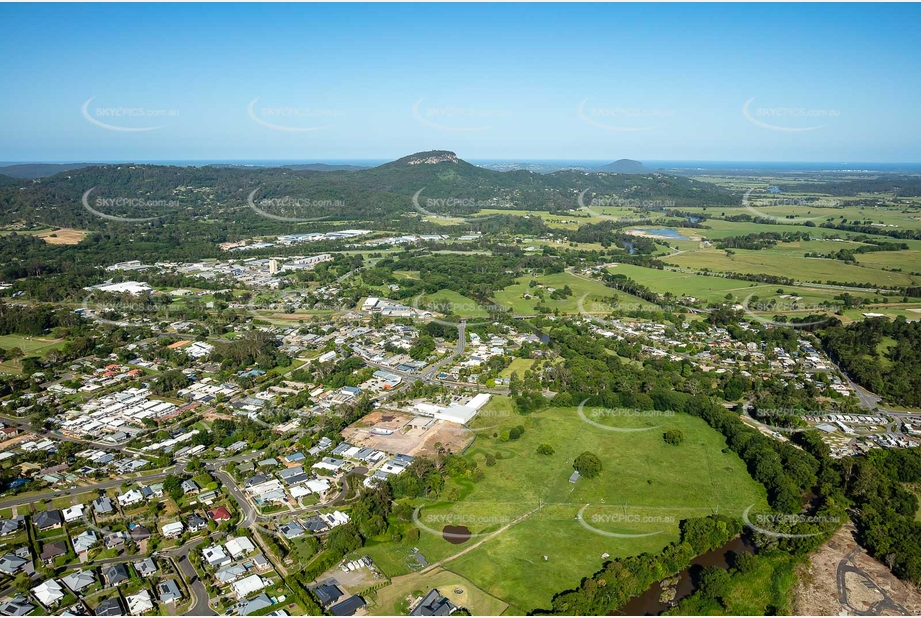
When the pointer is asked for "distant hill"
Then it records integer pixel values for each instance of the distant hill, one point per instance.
(621, 166)
(40, 170)
(440, 181)
(325, 167)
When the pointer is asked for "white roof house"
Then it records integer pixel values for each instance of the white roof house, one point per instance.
(239, 546)
(248, 585)
(139, 603)
(173, 529)
(73, 513)
(48, 593)
(215, 556)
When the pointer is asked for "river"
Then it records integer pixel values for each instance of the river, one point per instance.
(647, 604)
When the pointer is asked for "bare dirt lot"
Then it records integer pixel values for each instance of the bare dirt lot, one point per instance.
(63, 236)
(412, 435)
(841, 579)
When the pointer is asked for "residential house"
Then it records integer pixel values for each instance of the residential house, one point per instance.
(247, 586)
(48, 520)
(138, 533)
(9, 526)
(115, 574)
(433, 604)
(239, 547)
(73, 513)
(190, 487)
(52, 550)
(130, 498)
(230, 573)
(17, 606)
(215, 556)
(172, 530)
(84, 541)
(10, 564)
(49, 593)
(219, 514)
(328, 593)
(245, 608)
(139, 603)
(103, 506)
(79, 580)
(110, 607)
(196, 522)
(146, 567)
(347, 607)
(168, 591)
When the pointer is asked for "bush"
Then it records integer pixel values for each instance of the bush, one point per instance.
(545, 449)
(673, 436)
(587, 464)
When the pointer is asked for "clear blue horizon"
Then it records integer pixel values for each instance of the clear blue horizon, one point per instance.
(492, 82)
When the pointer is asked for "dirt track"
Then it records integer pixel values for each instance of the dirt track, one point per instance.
(842, 580)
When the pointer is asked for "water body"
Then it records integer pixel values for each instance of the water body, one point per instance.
(667, 232)
(648, 604)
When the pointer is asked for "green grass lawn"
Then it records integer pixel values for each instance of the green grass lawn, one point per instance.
(592, 294)
(29, 345)
(449, 301)
(646, 487)
(786, 263)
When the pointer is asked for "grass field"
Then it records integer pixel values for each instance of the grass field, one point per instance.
(590, 293)
(646, 488)
(445, 301)
(392, 600)
(63, 236)
(29, 345)
(780, 262)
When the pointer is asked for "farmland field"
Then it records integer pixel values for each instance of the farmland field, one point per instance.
(646, 488)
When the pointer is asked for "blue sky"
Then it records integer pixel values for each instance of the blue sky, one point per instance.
(513, 81)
